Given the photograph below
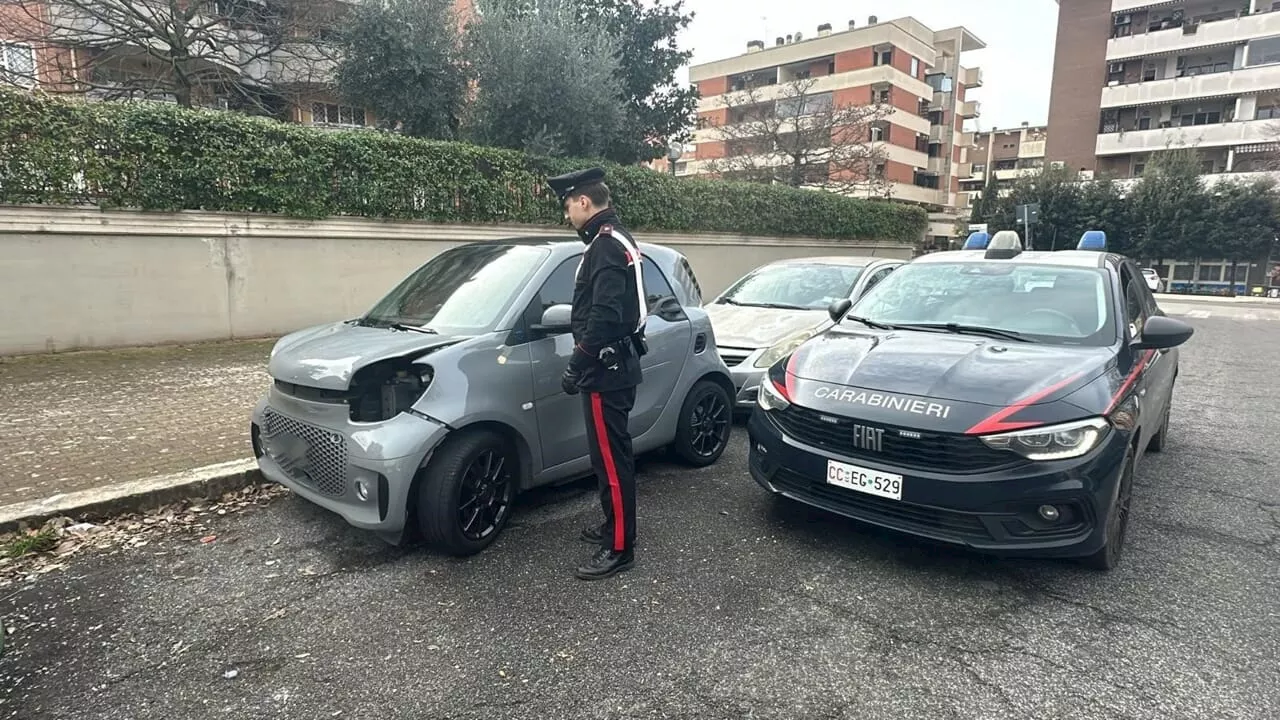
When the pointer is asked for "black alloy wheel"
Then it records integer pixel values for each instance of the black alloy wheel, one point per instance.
(1108, 558)
(485, 495)
(706, 424)
(467, 492)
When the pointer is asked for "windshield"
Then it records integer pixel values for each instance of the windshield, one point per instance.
(1066, 305)
(803, 286)
(462, 290)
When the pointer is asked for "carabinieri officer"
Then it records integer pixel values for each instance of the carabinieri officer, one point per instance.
(609, 311)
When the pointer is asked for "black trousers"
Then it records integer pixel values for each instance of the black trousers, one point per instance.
(607, 414)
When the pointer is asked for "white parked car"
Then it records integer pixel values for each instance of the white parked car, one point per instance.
(1153, 279)
(772, 309)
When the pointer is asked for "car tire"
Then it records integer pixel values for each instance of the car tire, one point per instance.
(705, 425)
(471, 467)
(1108, 557)
(1161, 437)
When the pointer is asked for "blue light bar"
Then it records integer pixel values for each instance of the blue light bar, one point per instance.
(977, 241)
(1093, 240)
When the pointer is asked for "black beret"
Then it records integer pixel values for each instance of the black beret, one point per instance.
(565, 184)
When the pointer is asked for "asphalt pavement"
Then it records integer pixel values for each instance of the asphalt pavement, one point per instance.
(739, 607)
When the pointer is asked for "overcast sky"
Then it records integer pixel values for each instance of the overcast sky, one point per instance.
(1017, 64)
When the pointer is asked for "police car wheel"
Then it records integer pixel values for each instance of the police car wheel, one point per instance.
(706, 423)
(1161, 437)
(467, 492)
(1117, 523)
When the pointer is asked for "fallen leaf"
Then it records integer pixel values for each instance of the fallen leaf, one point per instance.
(208, 539)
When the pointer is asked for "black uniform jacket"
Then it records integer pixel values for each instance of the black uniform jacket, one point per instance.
(608, 305)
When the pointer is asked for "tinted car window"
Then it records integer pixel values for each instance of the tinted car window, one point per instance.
(558, 288)
(463, 289)
(656, 286)
(804, 286)
(1067, 305)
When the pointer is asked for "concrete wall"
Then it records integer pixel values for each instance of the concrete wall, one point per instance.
(75, 278)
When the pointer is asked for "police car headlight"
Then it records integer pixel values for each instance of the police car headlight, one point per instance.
(784, 348)
(1056, 442)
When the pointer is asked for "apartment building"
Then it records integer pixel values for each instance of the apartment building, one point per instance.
(278, 57)
(900, 63)
(1134, 77)
(1001, 157)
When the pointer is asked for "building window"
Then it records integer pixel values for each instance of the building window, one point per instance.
(813, 105)
(884, 57)
(1263, 52)
(340, 115)
(1270, 112)
(18, 64)
(915, 67)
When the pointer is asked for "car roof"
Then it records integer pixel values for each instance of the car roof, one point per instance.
(1058, 258)
(847, 260)
(565, 245)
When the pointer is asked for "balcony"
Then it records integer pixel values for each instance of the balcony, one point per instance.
(917, 194)
(299, 64)
(1249, 80)
(1219, 32)
(937, 165)
(963, 170)
(1203, 136)
(937, 133)
(971, 77)
(969, 140)
(1214, 179)
(970, 109)
(1031, 149)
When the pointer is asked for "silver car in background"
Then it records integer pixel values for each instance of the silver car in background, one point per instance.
(774, 308)
(436, 408)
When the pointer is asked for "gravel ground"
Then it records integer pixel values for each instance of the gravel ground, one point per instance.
(739, 606)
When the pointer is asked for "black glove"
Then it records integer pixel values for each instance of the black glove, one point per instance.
(570, 379)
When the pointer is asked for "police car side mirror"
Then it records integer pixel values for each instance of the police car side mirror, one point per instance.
(838, 309)
(555, 320)
(1162, 332)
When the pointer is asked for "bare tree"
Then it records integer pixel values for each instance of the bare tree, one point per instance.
(795, 135)
(249, 54)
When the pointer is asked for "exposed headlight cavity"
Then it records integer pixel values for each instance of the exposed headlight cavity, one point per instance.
(1056, 442)
(386, 389)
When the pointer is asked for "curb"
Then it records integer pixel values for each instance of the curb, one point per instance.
(206, 483)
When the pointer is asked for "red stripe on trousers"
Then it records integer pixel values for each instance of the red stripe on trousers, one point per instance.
(615, 488)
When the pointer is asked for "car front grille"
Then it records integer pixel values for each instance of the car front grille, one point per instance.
(314, 455)
(895, 513)
(733, 357)
(915, 449)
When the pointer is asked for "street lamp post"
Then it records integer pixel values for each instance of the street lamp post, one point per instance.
(674, 152)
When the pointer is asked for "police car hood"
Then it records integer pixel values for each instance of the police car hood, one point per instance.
(907, 366)
(328, 356)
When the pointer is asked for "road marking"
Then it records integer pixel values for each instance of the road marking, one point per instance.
(1202, 314)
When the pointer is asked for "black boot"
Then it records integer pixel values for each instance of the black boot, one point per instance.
(606, 563)
(593, 535)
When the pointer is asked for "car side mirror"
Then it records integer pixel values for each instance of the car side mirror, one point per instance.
(555, 320)
(1162, 332)
(838, 309)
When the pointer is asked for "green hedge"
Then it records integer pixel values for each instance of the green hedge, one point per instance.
(160, 157)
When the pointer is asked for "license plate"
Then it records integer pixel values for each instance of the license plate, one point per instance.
(852, 477)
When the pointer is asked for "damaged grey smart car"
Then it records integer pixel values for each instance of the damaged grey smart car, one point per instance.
(437, 407)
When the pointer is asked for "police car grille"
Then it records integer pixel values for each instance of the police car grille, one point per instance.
(930, 451)
(314, 455)
(892, 512)
(733, 357)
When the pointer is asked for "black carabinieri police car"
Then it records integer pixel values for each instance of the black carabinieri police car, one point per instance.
(986, 397)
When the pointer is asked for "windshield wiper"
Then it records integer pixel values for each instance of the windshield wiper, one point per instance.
(970, 330)
(869, 323)
(423, 330)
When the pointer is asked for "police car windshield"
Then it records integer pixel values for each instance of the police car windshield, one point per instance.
(462, 290)
(1042, 303)
(799, 286)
